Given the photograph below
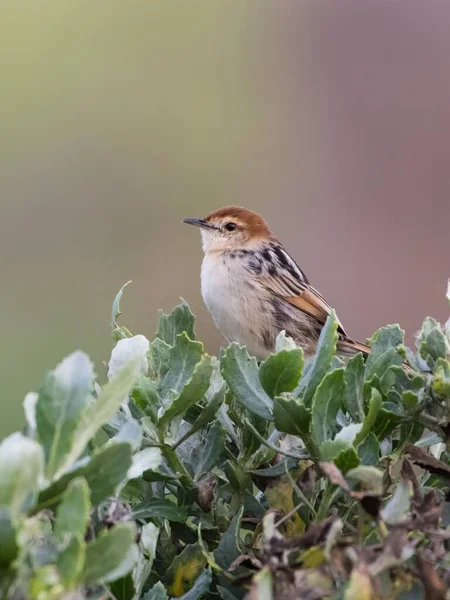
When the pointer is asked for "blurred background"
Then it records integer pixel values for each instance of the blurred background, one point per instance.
(119, 119)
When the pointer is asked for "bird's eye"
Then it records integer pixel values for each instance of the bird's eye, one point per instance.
(230, 226)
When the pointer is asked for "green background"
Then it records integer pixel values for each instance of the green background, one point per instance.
(118, 119)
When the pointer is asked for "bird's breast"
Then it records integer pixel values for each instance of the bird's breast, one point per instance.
(234, 306)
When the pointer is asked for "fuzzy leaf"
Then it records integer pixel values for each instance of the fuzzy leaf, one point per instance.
(375, 404)
(159, 508)
(180, 320)
(326, 349)
(21, 468)
(369, 450)
(381, 366)
(130, 348)
(240, 371)
(212, 449)
(281, 372)
(105, 407)
(73, 512)
(8, 544)
(284, 342)
(431, 340)
(185, 569)
(181, 362)
(441, 381)
(193, 391)
(230, 546)
(327, 401)
(158, 355)
(104, 472)
(354, 378)
(71, 561)
(118, 332)
(291, 416)
(147, 544)
(381, 341)
(398, 506)
(145, 395)
(157, 592)
(111, 556)
(388, 419)
(200, 587)
(62, 400)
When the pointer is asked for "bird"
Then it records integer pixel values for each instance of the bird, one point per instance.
(254, 289)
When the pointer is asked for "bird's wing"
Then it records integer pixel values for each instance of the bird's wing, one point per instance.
(281, 275)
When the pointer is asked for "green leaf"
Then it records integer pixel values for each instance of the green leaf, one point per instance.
(225, 594)
(148, 459)
(21, 467)
(73, 512)
(62, 400)
(185, 569)
(158, 356)
(131, 348)
(347, 459)
(291, 416)
(110, 399)
(192, 391)
(431, 341)
(111, 556)
(326, 349)
(118, 332)
(180, 320)
(327, 401)
(330, 449)
(354, 378)
(230, 546)
(381, 341)
(148, 541)
(369, 450)
(262, 585)
(371, 477)
(201, 586)
(398, 506)
(157, 592)
(212, 449)
(281, 372)
(240, 371)
(207, 414)
(159, 508)
(276, 470)
(341, 452)
(131, 432)
(410, 431)
(8, 544)
(181, 362)
(375, 404)
(284, 342)
(441, 381)
(236, 475)
(146, 397)
(104, 472)
(70, 562)
(388, 419)
(380, 366)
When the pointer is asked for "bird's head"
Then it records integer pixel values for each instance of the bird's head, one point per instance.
(231, 228)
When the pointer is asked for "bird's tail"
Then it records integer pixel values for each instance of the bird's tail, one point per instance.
(348, 347)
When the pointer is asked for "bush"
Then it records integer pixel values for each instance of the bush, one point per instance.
(221, 478)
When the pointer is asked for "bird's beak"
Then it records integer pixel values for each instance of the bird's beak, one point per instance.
(199, 223)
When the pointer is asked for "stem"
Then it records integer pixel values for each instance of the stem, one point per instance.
(272, 446)
(177, 466)
(330, 494)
